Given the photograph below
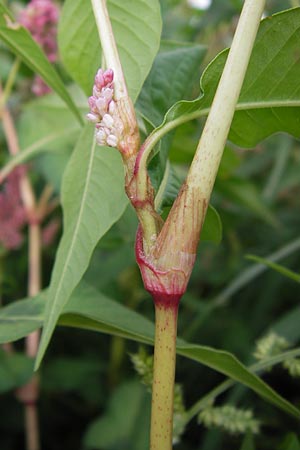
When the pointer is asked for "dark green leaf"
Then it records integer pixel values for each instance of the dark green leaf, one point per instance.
(290, 442)
(137, 28)
(246, 194)
(270, 98)
(89, 309)
(277, 267)
(22, 44)
(15, 370)
(116, 430)
(172, 78)
(212, 227)
(248, 443)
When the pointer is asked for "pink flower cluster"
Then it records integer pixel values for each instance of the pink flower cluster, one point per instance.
(103, 110)
(12, 213)
(40, 17)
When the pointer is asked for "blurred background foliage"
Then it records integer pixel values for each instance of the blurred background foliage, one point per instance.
(92, 397)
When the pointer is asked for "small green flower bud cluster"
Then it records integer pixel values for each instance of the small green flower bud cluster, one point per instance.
(274, 344)
(270, 345)
(230, 419)
(143, 364)
(293, 366)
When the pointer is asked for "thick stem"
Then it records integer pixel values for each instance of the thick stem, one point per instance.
(166, 311)
(206, 162)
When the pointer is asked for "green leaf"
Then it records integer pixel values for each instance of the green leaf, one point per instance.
(19, 40)
(20, 318)
(89, 309)
(54, 130)
(230, 366)
(15, 370)
(248, 443)
(270, 99)
(278, 267)
(212, 227)
(137, 27)
(93, 199)
(116, 430)
(171, 78)
(291, 442)
(247, 195)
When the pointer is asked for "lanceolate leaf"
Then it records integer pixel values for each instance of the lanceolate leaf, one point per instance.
(22, 44)
(270, 98)
(137, 27)
(278, 267)
(92, 199)
(89, 309)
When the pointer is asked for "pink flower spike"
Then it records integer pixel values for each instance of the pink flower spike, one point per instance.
(92, 117)
(108, 76)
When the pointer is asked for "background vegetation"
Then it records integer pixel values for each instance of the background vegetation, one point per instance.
(92, 395)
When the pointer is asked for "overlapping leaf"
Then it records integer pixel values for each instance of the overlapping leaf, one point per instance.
(137, 27)
(23, 45)
(89, 309)
(270, 98)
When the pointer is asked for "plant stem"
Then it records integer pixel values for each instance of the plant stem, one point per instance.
(163, 373)
(28, 393)
(109, 46)
(208, 155)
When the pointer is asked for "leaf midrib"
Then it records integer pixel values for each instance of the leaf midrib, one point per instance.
(53, 313)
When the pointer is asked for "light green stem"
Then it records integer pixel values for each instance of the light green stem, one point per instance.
(109, 47)
(210, 149)
(163, 377)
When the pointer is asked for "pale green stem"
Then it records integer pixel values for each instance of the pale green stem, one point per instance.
(206, 162)
(163, 377)
(109, 47)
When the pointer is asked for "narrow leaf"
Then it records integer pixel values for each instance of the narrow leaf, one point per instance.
(89, 309)
(137, 27)
(230, 366)
(19, 40)
(92, 199)
(277, 267)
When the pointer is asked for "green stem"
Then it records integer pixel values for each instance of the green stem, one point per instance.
(109, 47)
(210, 149)
(163, 376)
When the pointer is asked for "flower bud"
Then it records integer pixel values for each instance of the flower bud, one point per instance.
(114, 119)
